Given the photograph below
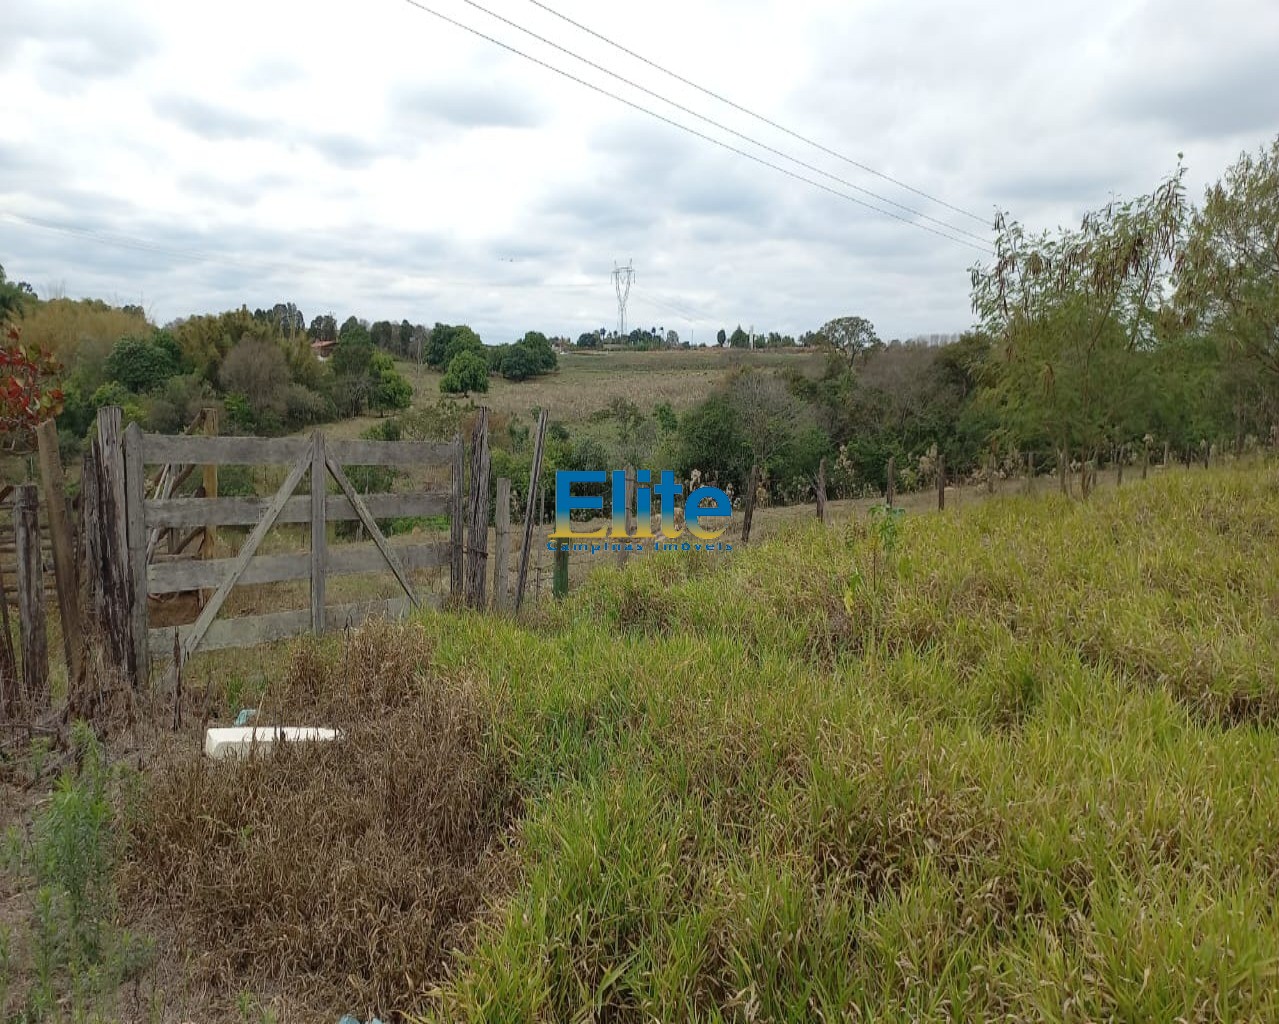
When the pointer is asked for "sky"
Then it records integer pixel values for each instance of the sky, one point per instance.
(369, 158)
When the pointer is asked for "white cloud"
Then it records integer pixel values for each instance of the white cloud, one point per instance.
(369, 158)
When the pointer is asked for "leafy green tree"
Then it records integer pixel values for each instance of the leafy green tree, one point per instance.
(590, 339)
(739, 338)
(851, 335)
(323, 328)
(391, 390)
(447, 341)
(468, 372)
(712, 439)
(14, 296)
(1228, 283)
(141, 364)
(721, 337)
(1072, 316)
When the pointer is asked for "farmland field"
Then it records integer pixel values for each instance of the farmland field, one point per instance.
(1015, 762)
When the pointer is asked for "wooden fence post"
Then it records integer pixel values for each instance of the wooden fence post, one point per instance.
(35, 641)
(64, 567)
(559, 581)
(890, 494)
(534, 479)
(457, 521)
(1030, 473)
(502, 544)
(10, 681)
(629, 497)
(477, 543)
(208, 543)
(1167, 450)
(135, 498)
(1119, 466)
(748, 513)
(319, 531)
(821, 491)
(990, 472)
(941, 483)
(112, 571)
(1145, 460)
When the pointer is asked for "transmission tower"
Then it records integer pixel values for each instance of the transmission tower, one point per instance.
(622, 280)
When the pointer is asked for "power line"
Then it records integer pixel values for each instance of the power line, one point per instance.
(722, 127)
(691, 131)
(757, 116)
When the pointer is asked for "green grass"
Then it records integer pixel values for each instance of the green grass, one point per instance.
(1026, 770)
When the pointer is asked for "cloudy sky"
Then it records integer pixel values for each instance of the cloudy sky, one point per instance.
(366, 157)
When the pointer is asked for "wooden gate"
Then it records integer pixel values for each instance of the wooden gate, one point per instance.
(332, 498)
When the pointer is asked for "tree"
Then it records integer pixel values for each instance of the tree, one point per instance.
(14, 296)
(721, 337)
(323, 328)
(739, 338)
(257, 370)
(1073, 316)
(851, 335)
(447, 341)
(672, 339)
(141, 364)
(590, 339)
(1228, 280)
(390, 389)
(468, 371)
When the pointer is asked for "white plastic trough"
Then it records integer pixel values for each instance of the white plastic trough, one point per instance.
(235, 741)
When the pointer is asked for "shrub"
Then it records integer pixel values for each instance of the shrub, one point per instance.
(467, 372)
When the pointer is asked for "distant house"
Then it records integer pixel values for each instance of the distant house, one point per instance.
(323, 349)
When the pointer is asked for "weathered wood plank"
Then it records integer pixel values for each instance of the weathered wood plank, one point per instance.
(64, 563)
(502, 544)
(136, 546)
(456, 523)
(187, 574)
(477, 541)
(405, 454)
(370, 524)
(223, 451)
(208, 543)
(282, 451)
(319, 533)
(251, 630)
(214, 605)
(31, 616)
(535, 472)
(191, 512)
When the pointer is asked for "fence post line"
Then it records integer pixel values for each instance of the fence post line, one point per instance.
(534, 478)
(31, 618)
(502, 545)
(136, 536)
(821, 491)
(64, 565)
(477, 541)
(319, 531)
(457, 520)
(941, 483)
(890, 492)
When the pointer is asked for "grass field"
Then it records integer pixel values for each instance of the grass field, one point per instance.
(588, 382)
(1015, 762)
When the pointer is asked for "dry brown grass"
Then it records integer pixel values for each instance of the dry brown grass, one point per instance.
(338, 874)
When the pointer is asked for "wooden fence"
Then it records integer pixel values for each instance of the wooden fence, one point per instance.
(120, 519)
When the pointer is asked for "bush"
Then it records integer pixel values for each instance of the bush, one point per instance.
(141, 364)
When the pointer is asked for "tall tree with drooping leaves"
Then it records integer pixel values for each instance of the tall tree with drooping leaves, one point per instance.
(1073, 318)
(1228, 284)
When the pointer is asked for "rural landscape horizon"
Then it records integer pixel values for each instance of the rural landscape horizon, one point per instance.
(519, 510)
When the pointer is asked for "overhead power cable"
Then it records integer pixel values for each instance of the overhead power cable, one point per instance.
(692, 131)
(721, 126)
(757, 116)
